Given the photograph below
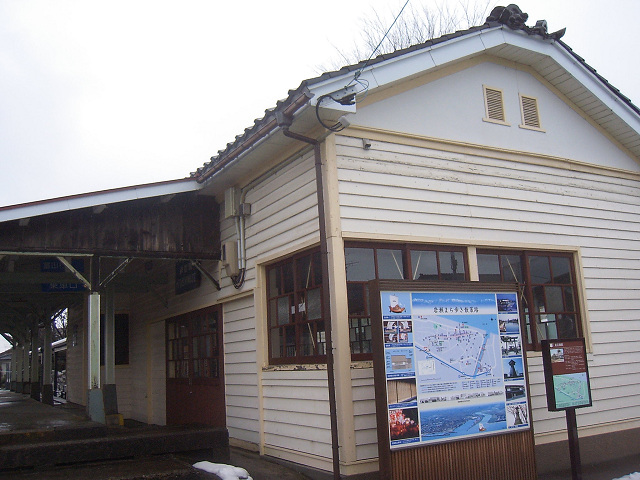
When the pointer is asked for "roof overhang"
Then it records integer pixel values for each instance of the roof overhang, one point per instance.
(98, 199)
(551, 59)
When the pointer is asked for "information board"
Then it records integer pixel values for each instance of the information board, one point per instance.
(453, 365)
(566, 374)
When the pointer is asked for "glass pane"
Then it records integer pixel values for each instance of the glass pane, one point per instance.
(195, 347)
(276, 343)
(488, 268)
(511, 268)
(539, 269)
(554, 299)
(570, 304)
(208, 351)
(274, 283)
(424, 265)
(359, 264)
(171, 367)
(183, 330)
(283, 310)
(287, 276)
(317, 269)
(561, 267)
(538, 299)
(303, 266)
(390, 264)
(320, 338)
(212, 321)
(196, 368)
(308, 341)
(290, 341)
(171, 331)
(567, 327)
(355, 299)
(451, 266)
(314, 304)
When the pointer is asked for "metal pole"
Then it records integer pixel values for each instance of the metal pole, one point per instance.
(574, 446)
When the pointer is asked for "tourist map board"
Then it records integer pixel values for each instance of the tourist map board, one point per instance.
(453, 365)
(566, 374)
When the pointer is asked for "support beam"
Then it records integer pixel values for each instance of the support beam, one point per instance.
(47, 387)
(24, 379)
(34, 368)
(72, 269)
(14, 368)
(95, 402)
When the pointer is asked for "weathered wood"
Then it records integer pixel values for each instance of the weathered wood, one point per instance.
(185, 227)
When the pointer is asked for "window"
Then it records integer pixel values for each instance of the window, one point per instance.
(494, 105)
(364, 262)
(121, 339)
(193, 345)
(295, 316)
(530, 113)
(548, 290)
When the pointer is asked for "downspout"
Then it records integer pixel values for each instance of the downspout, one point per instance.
(285, 123)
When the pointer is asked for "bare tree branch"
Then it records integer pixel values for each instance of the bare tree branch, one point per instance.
(416, 25)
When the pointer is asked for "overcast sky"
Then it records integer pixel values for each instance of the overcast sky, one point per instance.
(98, 94)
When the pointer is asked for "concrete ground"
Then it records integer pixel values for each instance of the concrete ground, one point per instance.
(20, 415)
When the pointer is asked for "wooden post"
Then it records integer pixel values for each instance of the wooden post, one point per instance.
(34, 371)
(574, 445)
(47, 387)
(95, 400)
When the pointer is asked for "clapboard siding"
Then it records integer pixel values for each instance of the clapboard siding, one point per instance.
(364, 410)
(283, 210)
(241, 377)
(479, 200)
(292, 399)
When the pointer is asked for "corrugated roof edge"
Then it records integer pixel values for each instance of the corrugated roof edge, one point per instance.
(210, 167)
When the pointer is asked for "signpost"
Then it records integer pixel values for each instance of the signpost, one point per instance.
(567, 385)
(453, 369)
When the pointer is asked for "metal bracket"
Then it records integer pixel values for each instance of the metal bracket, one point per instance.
(198, 265)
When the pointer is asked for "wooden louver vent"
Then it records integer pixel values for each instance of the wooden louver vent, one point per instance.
(495, 105)
(530, 116)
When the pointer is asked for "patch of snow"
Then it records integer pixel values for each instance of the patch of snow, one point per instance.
(225, 472)
(631, 476)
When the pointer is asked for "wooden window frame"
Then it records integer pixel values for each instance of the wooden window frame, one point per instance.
(358, 324)
(530, 335)
(297, 296)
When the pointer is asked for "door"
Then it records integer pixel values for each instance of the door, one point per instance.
(195, 380)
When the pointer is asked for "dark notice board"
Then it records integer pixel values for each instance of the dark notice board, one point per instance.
(566, 374)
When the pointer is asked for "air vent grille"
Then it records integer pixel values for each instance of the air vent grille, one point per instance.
(495, 105)
(530, 116)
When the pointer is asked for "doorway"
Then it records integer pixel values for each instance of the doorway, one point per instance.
(195, 379)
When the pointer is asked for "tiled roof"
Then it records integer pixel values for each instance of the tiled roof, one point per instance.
(293, 101)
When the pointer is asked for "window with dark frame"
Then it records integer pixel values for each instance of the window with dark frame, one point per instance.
(548, 290)
(294, 311)
(364, 262)
(121, 339)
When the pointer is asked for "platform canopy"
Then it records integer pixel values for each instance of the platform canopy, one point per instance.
(54, 252)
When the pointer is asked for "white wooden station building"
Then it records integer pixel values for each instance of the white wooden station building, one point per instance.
(495, 154)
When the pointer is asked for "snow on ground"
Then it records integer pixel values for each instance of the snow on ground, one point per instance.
(631, 476)
(227, 472)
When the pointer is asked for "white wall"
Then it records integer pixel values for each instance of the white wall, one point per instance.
(414, 193)
(453, 107)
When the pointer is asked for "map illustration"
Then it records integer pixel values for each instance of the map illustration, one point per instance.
(571, 389)
(453, 365)
(451, 349)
